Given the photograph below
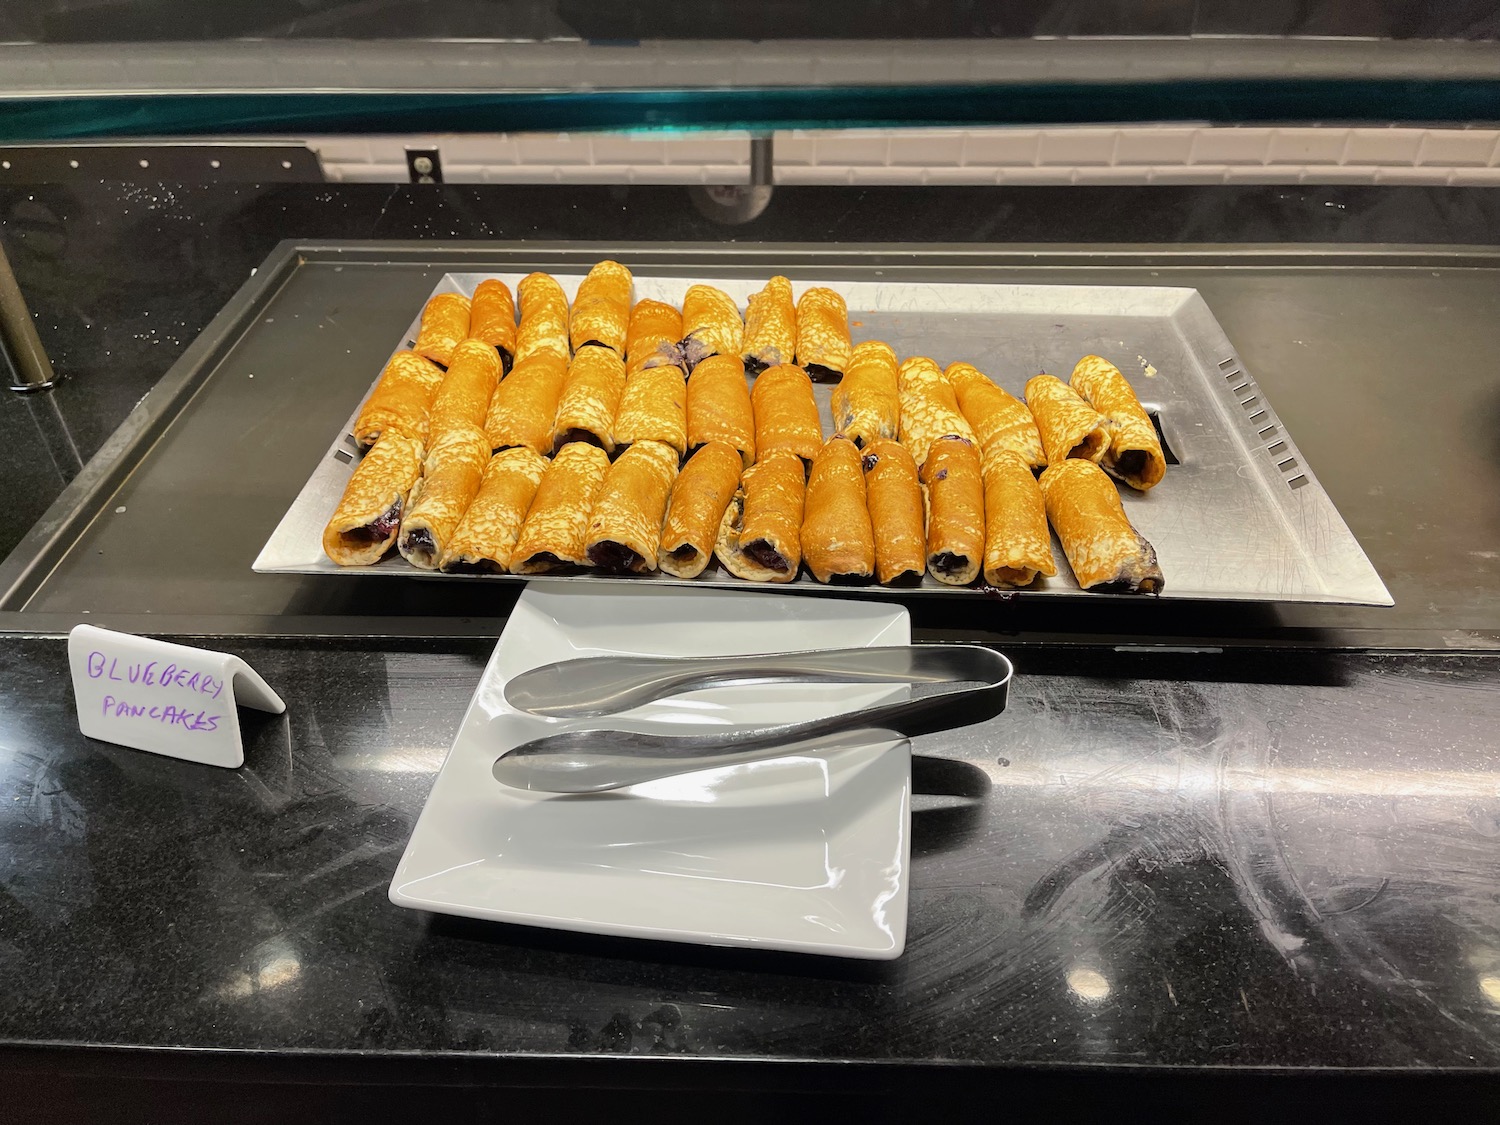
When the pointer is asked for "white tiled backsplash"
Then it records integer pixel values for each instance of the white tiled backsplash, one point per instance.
(1129, 154)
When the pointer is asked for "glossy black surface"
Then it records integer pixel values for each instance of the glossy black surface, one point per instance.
(1286, 860)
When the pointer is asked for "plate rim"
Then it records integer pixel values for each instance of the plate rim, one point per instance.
(898, 616)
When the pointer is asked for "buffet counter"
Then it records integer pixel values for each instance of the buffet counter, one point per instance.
(1209, 850)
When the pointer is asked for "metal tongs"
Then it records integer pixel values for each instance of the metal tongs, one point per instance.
(597, 760)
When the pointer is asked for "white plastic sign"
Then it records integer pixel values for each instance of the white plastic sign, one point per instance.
(164, 698)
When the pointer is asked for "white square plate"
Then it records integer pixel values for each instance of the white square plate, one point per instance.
(806, 853)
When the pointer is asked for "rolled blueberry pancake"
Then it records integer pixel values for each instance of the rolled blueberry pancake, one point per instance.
(867, 401)
(444, 325)
(401, 399)
(486, 537)
(625, 529)
(492, 319)
(838, 544)
(953, 484)
(365, 524)
(451, 473)
(1134, 452)
(696, 506)
(760, 534)
(552, 538)
(1105, 551)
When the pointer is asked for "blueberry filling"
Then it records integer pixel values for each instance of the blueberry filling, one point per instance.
(686, 553)
(852, 578)
(478, 566)
(761, 552)
(575, 434)
(421, 543)
(946, 562)
(820, 374)
(667, 355)
(1127, 585)
(610, 555)
(1131, 463)
(694, 351)
(379, 529)
(869, 460)
(941, 474)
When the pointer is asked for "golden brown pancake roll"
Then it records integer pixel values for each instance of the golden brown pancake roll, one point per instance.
(1017, 544)
(822, 334)
(524, 406)
(699, 497)
(1069, 426)
(654, 333)
(544, 317)
(364, 525)
(1134, 454)
(894, 497)
(711, 325)
(445, 325)
(760, 534)
(653, 408)
(867, 401)
(401, 399)
(486, 537)
(954, 486)
(838, 544)
(1104, 550)
(601, 308)
(553, 535)
(718, 406)
(450, 478)
(625, 530)
(492, 319)
(786, 414)
(770, 326)
(929, 408)
(1001, 421)
(464, 397)
(590, 397)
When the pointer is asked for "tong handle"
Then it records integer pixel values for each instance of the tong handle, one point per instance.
(607, 685)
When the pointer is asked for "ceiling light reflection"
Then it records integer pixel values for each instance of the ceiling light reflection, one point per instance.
(1179, 775)
(1089, 985)
(1489, 984)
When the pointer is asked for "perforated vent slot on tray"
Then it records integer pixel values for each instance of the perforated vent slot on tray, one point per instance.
(1247, 394)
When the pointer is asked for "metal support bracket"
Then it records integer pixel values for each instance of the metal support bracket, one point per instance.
(26, 362)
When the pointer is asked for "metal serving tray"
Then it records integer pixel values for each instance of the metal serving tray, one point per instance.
(1239, 517)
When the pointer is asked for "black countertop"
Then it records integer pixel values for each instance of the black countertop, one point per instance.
(1147, 861)
(1279, 865)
